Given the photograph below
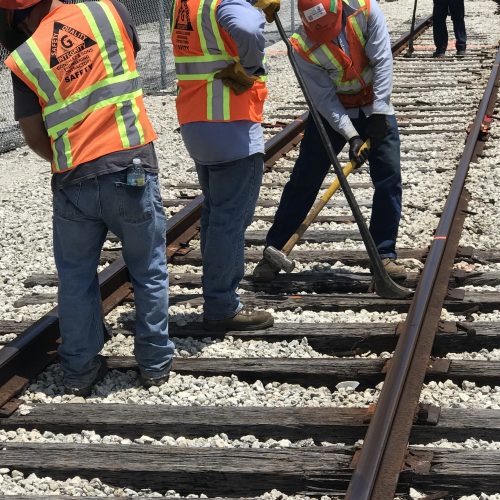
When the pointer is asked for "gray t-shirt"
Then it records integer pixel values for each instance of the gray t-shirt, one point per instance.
(26, 104)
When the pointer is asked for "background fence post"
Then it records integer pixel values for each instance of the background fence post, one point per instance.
(162, 24)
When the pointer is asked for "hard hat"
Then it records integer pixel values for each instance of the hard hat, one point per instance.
(322, 19)
(17, 4)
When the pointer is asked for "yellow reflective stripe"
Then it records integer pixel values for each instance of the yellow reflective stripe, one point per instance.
(340, 70)
(29, 75)
(205, 77)
(45, 65)
(357, 29)
(122, 128)
(199, 22)
(137, 112)
(108, 102)
(88, 90)
(305, 48)
(118, 36)
(67, 150)
(227, 103)
(67, 153)
(97, 33)
(206, 58)
(210, 96)
(215, 27)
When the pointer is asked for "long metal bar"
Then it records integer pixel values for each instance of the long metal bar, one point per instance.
(382, 455)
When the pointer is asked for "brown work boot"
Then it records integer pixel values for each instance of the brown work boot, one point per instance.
(264, 271)
(246, 319)
(394, 270)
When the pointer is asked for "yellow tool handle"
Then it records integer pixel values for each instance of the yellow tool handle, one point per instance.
(320, 204)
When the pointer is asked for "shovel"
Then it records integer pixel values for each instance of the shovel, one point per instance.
(384, 285)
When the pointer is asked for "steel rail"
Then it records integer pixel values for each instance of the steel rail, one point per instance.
(28, 354)
(383, 453)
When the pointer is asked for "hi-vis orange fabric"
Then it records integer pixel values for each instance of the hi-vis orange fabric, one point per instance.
(80, 62)
(17, 4)
(201, 49)
(353, 74)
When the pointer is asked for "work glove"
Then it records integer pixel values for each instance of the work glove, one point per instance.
(355, 144)
(269, 7)
(377, 128)
(235, 77)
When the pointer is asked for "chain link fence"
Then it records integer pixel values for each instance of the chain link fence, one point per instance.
(155, 60)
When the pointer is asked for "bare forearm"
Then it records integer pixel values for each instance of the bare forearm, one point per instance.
(36, 136)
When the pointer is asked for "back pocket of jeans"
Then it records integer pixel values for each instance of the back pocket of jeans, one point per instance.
(135, 203)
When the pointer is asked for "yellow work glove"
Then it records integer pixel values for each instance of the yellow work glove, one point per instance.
(235, 77)
(269, 7)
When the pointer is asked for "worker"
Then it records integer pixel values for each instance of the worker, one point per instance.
(440, 12)
(78, 100)
(219, 59)
(344, 54)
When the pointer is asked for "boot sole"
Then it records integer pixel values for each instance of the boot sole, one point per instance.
(239, 328)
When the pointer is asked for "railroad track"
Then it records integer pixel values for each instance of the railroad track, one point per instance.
(385, 465)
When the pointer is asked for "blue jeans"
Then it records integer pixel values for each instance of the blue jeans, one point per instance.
(83, 213)
(440, 12)
(310, 170)
(231, 191)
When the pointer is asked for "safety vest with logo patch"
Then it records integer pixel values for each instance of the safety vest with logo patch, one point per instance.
(201, 49)
(351, 74)
(81, 64)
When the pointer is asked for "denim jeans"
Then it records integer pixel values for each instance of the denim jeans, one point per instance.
(310, 170)
(83, 213)
(231, 191)
(440, 12)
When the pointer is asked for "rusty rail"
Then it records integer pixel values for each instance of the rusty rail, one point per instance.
(383, 453)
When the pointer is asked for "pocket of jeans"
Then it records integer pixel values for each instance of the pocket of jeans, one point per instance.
(135, 203)
(65, 202)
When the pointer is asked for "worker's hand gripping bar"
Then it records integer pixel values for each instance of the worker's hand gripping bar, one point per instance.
(384, 285)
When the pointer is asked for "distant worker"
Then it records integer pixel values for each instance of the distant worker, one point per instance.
(439, 14)
(344, 53)
(78, 99)
(219, 59)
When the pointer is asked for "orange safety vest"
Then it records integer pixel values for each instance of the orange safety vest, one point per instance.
(352, 75)
(201, 49)
(81, 64)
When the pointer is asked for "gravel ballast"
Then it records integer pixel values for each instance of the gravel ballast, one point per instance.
(25, 225)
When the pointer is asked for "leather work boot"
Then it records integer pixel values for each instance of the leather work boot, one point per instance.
(395, 271)
(148, 382)
(86, 390)
(246, 319)
(264, 271)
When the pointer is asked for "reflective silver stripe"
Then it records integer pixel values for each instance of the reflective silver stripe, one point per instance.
(60, 151)
(324, 60)
(217, 100)
(201, 68)
(108, 35)
(206, 26)
(44, 82)
(81, 105)
(129, 118)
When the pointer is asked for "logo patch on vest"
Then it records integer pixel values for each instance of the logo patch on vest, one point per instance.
(67, 43)
(183, 21)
